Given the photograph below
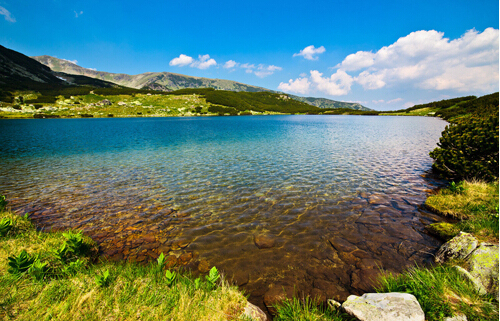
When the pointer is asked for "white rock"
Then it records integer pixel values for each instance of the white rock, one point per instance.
(254, 312)
(384, 306)
(459, 317)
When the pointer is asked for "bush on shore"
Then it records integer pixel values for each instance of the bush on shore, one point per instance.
(468, 149)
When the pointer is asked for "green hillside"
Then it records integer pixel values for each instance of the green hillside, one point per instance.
(167, 81)
(453, 109)
(328, 103)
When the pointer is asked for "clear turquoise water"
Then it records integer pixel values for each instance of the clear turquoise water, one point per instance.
(333, 193)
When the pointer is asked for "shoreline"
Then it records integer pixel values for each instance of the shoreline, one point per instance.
(122, 262)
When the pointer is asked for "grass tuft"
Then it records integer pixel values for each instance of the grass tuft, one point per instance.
(474, 203)
(307, 310)
(441, 292)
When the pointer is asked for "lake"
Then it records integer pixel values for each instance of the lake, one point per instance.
(315, 203)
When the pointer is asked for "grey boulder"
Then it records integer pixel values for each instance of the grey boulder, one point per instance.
(458, 247)
(384, 306)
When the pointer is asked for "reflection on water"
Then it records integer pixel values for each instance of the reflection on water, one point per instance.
(316, 202)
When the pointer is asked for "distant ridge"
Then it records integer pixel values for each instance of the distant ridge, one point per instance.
(167, 81)
(18, 71)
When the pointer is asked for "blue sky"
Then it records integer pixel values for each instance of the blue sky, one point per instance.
(386, 54)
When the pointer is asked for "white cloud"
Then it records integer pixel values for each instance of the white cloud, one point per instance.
(78, 13)
(310, 53)
(248, 66)
(203, 62)
(260, 70)
(263, 71)
(299, 86)
(71, 61)
(428, 60)
(230, 64)
(422, 60)
(180, 61)
(274, 68)
(371, 81)
(7, 15)
(395, 100)
(337, 84)
(359, 60)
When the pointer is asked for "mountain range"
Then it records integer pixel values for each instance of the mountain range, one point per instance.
(20, 72)
(167, 81)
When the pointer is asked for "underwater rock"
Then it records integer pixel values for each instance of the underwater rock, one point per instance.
(264, 241)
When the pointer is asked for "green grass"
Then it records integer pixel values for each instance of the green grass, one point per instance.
(425, 111)
(307, 310)
(72, 285)
(442, 292)
(102, 290)
(474, 204)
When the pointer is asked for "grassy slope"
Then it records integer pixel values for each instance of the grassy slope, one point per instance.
(452, 109)
(474, 204)
(132, 103)
(133, 292)
(128, 102)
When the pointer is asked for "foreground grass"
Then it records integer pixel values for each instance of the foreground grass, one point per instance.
(73, 287)
(84, 292)
(474, 204)
(308, 310)
(442, 292)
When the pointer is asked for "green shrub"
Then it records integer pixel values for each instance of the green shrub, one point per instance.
(62, 253)
(75, 241)
(212, 277)
(103, 280)
(3, 202)
(456, 188)
(72, 268)
(38, 270)
(21, 263)
(5, 226)
(170, 277)
(42, 100)
(468, 149)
